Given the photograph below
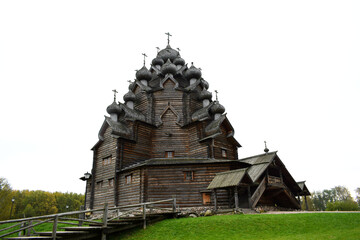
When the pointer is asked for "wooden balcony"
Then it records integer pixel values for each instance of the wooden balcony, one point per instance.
(275, 182)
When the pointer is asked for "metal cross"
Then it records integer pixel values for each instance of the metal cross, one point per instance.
(115, 92)
(144, 54)
(216, 92)
(169, 35)
(265, 144)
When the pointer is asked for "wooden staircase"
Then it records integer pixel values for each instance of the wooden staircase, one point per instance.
(95, 231)
(99, 230)
(258, 193)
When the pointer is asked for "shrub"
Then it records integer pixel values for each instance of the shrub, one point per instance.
(347, 205)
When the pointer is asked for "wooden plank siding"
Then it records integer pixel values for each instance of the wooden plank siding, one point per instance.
(169, 181)
(169, 137)
(222, 142)
(129, 193)
(196, 149)
(105, 171)
(135, 152)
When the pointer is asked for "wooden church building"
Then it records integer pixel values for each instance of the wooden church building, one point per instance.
(170, 138)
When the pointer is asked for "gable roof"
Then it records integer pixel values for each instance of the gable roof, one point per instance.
(259, 164)
(228, 179)
(304, 190)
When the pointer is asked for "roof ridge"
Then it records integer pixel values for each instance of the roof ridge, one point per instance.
(235, 170)
(274, 152)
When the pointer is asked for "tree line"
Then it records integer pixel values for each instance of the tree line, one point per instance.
(25, 203)
(335, 199)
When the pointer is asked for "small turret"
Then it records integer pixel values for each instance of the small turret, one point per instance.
(157, 62)
(143, 75)
(192, 74)
(168, 67)
(179, 62)
(129, 99)
(205, 96)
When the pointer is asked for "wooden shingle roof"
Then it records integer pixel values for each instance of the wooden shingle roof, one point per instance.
(227, 179)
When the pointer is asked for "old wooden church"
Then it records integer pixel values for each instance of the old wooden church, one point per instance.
(170, 138)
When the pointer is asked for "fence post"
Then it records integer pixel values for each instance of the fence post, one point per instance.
(21, 226)
(174, 205)
(28, 231)
(105, 217)
(144, 215)
(56, 218)
(81, 215)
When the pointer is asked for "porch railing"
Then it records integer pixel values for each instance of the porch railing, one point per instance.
(105, 214)
(272, 180)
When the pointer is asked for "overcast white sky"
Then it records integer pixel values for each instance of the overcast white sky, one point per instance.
(287, 72)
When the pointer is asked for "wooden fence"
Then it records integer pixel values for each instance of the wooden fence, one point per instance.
(106, 214)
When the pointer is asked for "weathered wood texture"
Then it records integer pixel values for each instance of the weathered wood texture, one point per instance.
(222, 142)
(169, 181)
(129, 192)
(105, 165)
(135, 152)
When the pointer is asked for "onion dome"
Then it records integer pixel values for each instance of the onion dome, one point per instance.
(143, 74)
(168, 53)
(157, 61)
(217, 108)
(204, 94)
(130, 96)
(168, 67)
(179, 61)
(113, 108)
(192, 72)
(205, 84)
(132, 85)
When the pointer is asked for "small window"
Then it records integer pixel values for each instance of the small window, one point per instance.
(223, 153)
(189, 175)
(99, 184)
(206, 197)
(128, 179)
(111, 182)
(169, 154)
(106, 161)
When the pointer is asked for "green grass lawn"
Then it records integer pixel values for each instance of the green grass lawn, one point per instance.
(260, 226)
(45, 227)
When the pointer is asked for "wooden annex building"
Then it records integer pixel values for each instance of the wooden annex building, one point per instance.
(170, 138)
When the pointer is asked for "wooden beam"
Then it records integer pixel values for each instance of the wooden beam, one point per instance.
(258, 192)
(215, 200)
(249, 195)
(236, 198)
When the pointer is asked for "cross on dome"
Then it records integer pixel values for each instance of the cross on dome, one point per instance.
(169, 35)
(266, 150)
(115, 92)
(216, 94)
(144, 54)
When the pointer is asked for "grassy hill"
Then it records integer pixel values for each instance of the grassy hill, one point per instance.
(260, 226)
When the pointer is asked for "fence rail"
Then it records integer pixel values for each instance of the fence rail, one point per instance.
(27, 224)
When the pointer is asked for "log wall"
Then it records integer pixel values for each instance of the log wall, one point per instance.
(140, 150)
(222, 142)
(196, 149)
(169, 181)
(129, 193)
(105, 171)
